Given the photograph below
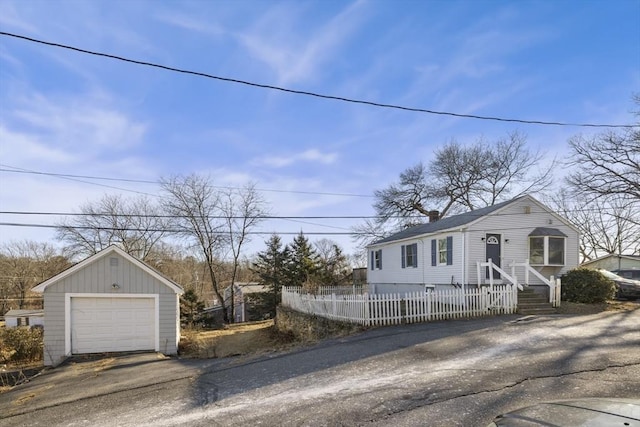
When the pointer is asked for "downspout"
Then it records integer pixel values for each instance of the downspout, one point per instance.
(423, 262)
(464, 264)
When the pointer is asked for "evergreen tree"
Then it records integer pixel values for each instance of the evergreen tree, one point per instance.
(305, 265)
(271, 267)
(190, 306)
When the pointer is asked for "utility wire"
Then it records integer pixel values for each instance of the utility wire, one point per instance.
(73, 178)
(283, 217)
(166, 230)
(312, 94)
(178, 216)
(142, 181)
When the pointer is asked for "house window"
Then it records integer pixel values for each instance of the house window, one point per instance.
(536, 250)
(376, 259)
(546, 250)
(556, 251)
(442, 251)
(410, 255)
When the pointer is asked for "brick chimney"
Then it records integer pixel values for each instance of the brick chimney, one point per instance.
(434, 216)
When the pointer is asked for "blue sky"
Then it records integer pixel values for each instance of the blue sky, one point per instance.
(70, 113)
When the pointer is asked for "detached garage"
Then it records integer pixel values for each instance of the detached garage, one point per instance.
(110, 302)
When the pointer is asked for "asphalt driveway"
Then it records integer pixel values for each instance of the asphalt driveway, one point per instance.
(451, 373)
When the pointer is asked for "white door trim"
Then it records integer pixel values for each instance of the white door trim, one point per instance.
(67, 314)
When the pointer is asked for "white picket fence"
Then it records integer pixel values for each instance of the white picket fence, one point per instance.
(392, 309)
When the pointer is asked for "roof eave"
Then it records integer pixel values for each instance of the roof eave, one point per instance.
(44, 285)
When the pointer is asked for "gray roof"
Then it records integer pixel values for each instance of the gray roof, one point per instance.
(23, 313)
(547, 231)
(445, 223)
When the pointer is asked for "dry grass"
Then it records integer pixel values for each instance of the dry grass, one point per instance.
(578, 308)
(233, 340)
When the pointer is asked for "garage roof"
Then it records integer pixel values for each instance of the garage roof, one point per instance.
(103, 253)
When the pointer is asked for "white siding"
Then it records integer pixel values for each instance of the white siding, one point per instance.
(515, 226)
(393, 278)
(514, 223)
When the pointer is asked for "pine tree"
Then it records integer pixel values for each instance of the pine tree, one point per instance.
(190, 306)
(271, 267)
(304, 266)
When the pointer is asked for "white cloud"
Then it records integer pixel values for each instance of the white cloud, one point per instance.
(11, 18)
(296, 56)
(20, 148)
(312, 156)
(82, 126)
(190, 23)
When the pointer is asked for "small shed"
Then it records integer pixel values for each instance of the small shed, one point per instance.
(15, 318)
(110, 302)
(613, 262)
(240, 293)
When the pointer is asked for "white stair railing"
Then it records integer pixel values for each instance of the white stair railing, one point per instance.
(511, 278)
(553, 283)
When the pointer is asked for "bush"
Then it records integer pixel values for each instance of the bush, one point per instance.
(20, 345)
(587, 286)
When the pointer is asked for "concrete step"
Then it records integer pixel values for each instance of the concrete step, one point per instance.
(531, 303)
(534, 311)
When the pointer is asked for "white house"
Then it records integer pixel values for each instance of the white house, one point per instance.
(110, 302)
(447, 252)
(15, 318)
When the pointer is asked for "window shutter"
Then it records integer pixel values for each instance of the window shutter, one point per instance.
(380, 258)
(415, 254)
(403, 251)
(373, 261)
(434, 252)
(449, 250)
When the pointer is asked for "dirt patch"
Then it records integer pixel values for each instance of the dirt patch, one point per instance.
(291, 329)
(233, 340)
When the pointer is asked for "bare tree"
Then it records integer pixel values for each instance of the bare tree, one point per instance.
(606, 164)
(606, 225)
(133, 224)
(334, 265)
(242, 209)
(460, 178)
(217, 223)
(603, 189)
(25, 264)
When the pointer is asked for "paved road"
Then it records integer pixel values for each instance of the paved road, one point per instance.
(453, 373)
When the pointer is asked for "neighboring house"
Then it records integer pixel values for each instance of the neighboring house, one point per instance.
(14, 318)
(615, 262)
(240, 292)
(446, 252)
(110, 302)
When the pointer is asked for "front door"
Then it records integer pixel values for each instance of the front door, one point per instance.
(492, 243)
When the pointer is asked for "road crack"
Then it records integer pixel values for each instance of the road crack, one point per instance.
(429, 399)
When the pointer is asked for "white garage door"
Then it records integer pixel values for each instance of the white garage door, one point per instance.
(112, 324)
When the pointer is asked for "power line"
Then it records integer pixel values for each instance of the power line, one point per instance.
(312, 94)
(266, 217)
(178, 216)
(166, 230)
(142, 181)
(73, 178)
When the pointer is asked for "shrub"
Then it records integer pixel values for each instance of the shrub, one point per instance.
(20, 345)
(587, 286)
